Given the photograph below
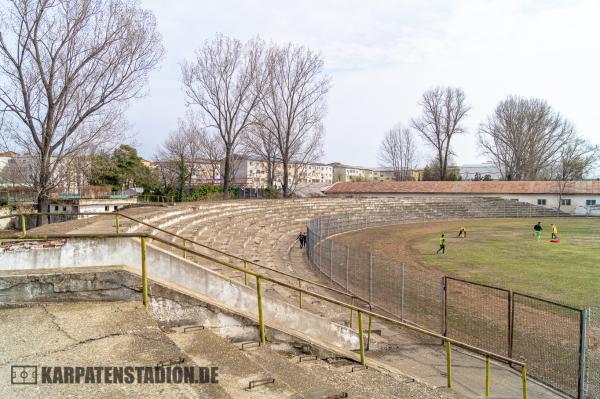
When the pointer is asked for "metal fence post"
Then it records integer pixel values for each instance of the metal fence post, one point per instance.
(320, 254)
(361, 339)
(370, 278)
(511, 322)
(245, 274)
(487, 376)
(352, 314)
(261, 322)
(402, 292)
(582, 351)
(23, 225)
(331, 261)
(369, 333)
(184, 250)
(144, 275)
(347, 266)
(117, 223)
(449, 363)
(444, 306)
(524, 378)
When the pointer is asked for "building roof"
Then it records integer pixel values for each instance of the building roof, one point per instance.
(465, 187)
(341, 165)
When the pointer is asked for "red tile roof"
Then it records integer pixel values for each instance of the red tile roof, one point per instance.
(464, 187)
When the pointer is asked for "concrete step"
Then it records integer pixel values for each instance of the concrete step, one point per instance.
(236, 370)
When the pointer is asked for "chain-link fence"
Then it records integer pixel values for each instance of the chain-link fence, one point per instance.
(547, 336)
(478, 314)
(592, 385)
(544, 334)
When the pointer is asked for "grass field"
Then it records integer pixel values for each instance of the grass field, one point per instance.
(502, 252)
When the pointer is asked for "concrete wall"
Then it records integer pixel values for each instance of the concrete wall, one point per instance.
(5, 223)
(163, 265)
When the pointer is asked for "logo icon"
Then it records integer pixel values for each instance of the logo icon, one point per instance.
(23, 374)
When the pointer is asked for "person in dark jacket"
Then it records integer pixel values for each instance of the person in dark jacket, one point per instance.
(537, 231)
(302, 238)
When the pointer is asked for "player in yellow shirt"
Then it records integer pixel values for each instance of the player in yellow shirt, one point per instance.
(442, 245)
(554, 232)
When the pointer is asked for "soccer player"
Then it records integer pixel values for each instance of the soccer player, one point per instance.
(537, 230)
(442, 245)
(462, 232)
(554, 232)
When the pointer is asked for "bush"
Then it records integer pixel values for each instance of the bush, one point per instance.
(211, 192)
(272, 192)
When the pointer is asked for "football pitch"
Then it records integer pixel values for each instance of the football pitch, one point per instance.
(501, 252)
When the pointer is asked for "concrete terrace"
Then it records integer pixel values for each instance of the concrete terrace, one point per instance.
(264, 231)
(124, 334)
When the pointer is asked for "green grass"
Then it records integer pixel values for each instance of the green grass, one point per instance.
(503, 252)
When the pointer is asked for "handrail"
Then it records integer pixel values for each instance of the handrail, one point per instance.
(246, 261)
(446, 340)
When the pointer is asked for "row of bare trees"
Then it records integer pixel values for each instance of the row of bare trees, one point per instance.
(68, 68)
(264, 100)
(184, 152)
(444, 110)
(524, 137)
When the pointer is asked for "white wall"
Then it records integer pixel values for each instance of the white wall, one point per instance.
(578, 202)
(175, 270)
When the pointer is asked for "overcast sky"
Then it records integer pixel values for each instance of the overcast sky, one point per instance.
(382, 55)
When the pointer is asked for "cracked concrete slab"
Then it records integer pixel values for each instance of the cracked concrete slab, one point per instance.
(88, 335)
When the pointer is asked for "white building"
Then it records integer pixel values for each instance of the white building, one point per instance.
(482, 171)
(578, 197)
(349, 173)
(252, 172)
(111, 203)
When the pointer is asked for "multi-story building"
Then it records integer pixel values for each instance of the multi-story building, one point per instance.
(347, 173)
(253, 172)
(483, 171)
(202, 172)
(387, 174)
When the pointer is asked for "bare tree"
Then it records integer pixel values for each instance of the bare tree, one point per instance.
(211, 150)
(397, 151)
(68, 68)
(310, 152)
(177, 158)
(261, 143)
(444, 110)
(293, 104)
(575, 161)
(523, 137)
(224, 81)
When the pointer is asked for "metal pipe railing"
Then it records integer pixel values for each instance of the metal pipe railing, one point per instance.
(449, 342)
(184, 239)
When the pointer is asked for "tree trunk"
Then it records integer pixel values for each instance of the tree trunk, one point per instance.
(226, 173)
(43, 203)
(269, 173)
(285, 178)
(43, 197)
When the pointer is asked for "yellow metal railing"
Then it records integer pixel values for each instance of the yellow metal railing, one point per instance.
(186, 240)
(449, 342)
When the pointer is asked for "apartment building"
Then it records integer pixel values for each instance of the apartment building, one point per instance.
(348, 173)
(387, 174)
(253, 172)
